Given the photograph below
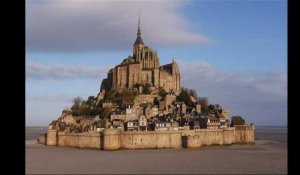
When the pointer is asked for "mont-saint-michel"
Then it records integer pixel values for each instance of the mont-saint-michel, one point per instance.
(141, 105)
(192, 87)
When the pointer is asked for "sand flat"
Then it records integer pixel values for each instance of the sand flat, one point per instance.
(267, 156)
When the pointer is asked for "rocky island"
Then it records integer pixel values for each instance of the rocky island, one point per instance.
(142, 105)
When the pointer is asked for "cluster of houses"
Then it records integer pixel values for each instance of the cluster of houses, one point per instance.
(145, 117)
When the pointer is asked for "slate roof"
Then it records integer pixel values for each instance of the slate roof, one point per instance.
(138, 40)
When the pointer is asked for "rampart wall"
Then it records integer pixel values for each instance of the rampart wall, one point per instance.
(115, 139)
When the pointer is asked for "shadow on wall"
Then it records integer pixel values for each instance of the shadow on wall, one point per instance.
(101, 141)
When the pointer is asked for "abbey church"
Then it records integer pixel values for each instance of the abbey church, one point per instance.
(139, 94)
(143, 68)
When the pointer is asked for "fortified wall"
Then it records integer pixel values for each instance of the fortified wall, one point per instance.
(115, 139)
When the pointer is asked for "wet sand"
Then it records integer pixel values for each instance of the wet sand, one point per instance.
(267, 156)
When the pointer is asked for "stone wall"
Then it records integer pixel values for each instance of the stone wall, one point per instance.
(211, 136)
(79, 140)
(42, 139)
(244, 134)
(52, 137)
(115, 139)
(144, 99)
(192, 142)
(111, 138)
(150, 140)
(228, 136)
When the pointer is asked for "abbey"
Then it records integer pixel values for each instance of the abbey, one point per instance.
(143, 68)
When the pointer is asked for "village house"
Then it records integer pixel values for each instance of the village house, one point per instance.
(118, 115)
(132, 125)
(162, 125)
(181, 107)
(125, 115)
(142, 123)
(99, 125)
(116, 123)
(174, 125)
(213, 123)
(198, 108)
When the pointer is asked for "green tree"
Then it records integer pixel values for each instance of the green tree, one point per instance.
(105, 112)
(85, 107)
(203, 101)
(100, 103)
(96, 111)
(193, 93)
(91, 101)
(76, 107)
(146, 89)
(237, 120)
(127, 97)
(184, 97)
(111, 94)
(76, 103)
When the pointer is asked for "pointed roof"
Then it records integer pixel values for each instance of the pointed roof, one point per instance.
(138, 40)
(139, 33)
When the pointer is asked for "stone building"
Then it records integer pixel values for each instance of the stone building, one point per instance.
(181, 107)
(166, 103)
(213, 123)
(132, 125)
(142, 68)
(162, 125)
(142, 123)
(198, 108)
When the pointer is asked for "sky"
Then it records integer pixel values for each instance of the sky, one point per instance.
(233, 52)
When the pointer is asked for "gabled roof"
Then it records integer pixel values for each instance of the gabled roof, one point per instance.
(167, 66)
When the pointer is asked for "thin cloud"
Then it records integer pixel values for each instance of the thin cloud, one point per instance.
(63, 72)
(50, 98)
(271, 83)
(259, 97)
(87, 25)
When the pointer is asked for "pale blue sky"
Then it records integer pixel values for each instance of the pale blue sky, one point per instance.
(233, 52)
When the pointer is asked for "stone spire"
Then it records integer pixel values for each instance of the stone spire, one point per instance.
(139, 34)
(139, 26)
